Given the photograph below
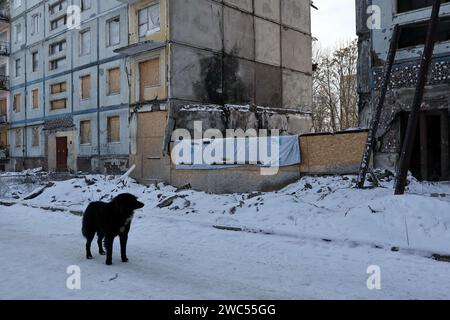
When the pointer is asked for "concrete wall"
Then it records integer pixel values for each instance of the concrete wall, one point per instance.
(234, 52)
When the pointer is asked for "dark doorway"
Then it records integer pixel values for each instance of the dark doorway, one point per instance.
(430, 159)
(61, 153)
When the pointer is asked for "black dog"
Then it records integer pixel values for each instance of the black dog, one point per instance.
(109, 220)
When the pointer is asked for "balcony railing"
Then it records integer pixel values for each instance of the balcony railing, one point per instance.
(4, 48)
(3, 119)
(4, 83)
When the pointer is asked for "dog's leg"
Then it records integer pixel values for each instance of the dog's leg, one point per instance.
(89, 239)
(100, 238)
(109, 240)
(123, 246)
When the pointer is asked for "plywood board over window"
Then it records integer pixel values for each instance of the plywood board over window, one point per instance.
(85, 132)
(35, 137)
(85, 87)
(58, 104)
(114, 81)
(149, 75)
(3, 138)
(58, 87)
(113, 129)
(3, 107)
(35, 99)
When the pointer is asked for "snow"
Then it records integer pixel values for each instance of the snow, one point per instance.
(176, 253)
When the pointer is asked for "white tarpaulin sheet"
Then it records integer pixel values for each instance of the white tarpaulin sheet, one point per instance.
(234, 152)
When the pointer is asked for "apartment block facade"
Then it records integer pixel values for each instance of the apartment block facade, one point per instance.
(431, 151)
(68, 88)
(4, 83)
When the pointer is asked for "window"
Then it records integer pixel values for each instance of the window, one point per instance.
(18, 64)
(113, 29)
(113, 129)
(410, 5)
(148, 19)
(85, 5)
(416, 34)
(57, 47)
(85, 132)
(57, 7)
(85, 42)
(58, 104)
(85, 87)
(35, 99)
(35, 137)
(57, 63)
(34, 24)
(57, 23)
(35, 61)
(16, 102)
(18, 138)
(18, 33)
(58, 87)
(114, 81)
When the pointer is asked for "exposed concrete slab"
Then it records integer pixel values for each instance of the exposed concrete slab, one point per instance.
(267, 47)
(268, 85)
(296, 49)
(239, 34)
(296, 14)
(196, 22)
(269, 9)
(239, 81)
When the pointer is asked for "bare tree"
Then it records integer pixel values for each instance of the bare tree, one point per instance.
(335, 97)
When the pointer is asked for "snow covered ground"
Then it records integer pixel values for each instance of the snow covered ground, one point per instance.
(313, 240)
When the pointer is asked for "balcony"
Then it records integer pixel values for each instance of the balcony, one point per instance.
(4, 48)
(4, 83)
(4, 152)
(3, 119)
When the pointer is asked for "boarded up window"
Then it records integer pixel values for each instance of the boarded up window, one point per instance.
(3, 105)
(35, 137)
(85, 42)
(149, 73)
(85, 87)
(35, 99)
(18, 138)
(58, 104)
(3, 138)
(58, 87)
(113, 31)
(85, 132)
(113, 129)
(114, 81)
(17, 102)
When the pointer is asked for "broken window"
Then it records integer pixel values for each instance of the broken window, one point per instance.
(35, 61)
(416, 34)
(149, 21)
(85, 87)
(17, 102)
(18, 67)
(85, 132)
(113, 29)
(35, 99)
(114, 81)
(18, 138)
(85, 42)
(114, 129)
(58, 87)
(410, 5)
(35, 137)
(58, 104)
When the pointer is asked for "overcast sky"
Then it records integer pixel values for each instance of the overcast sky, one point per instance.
(334, 21)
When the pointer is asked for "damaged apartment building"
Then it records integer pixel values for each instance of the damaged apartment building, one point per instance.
(108, 94)
(231, 64)
(430, 159)
(68, 88)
